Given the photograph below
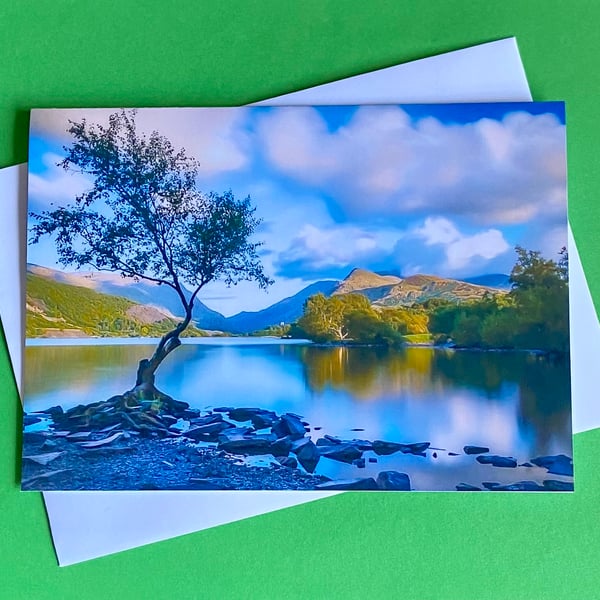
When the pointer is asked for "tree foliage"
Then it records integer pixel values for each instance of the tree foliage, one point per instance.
(144, 217)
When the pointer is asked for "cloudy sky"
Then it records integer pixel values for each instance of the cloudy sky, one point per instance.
(438, 189)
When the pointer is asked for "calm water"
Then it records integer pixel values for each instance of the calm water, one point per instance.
(515, 403)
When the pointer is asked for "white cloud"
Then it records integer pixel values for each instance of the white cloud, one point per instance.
(330, 247)
(216, 137)
(380, 164)
(460, 249)
(56, 185)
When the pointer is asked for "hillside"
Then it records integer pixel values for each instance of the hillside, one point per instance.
(58, 310)
(161, 297)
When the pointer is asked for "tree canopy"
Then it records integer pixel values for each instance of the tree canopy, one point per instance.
(144, 217)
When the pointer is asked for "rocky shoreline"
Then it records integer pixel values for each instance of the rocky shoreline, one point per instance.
(127, 443)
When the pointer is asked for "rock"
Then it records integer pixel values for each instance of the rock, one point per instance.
(526, 464)
(307, 453)
(249, 414)
(453, 454)
(102, 442)
(372, 459)
(554, 485)
(248, 445)
(332, 439)
(383, 448)
(497, 461)
(491, 485)
(357, 429)
(50, 445)
(359, 462)
(317, 428)
(343, 453)
(235, 433)
(557, 465)
(367, 483)
(519, 486)
(290, 425)
(54, 411)
(434, 455)
(281, 447)
(34, 437)
(393, 481)
(207, 420)
(363, 445)
(43, 459)
(465, 487)
(30, 420)
(207, 432)
(475, 449)
(288, 461)
(80, 435)
(223, 409)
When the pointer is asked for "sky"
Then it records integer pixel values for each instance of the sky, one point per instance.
(447, 190)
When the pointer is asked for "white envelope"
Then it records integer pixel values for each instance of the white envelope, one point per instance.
(87, 525)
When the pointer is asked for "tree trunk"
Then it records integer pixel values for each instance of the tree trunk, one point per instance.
(144, 384)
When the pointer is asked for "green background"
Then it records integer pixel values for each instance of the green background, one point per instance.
(217, 52)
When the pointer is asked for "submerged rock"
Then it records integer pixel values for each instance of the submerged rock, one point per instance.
(260, 417)
(557, 465)
(393, 481)
(475, 449)
(359, 463)
(367, 483)
(519, 486)
(497, 461)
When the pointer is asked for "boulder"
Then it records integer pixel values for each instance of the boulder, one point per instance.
(465, 487)
(307, 453)
(344, 453)
(393, 481)
(281, 446)
(30, 420)
(497, 461)
(557, 465)
(367, 483)
(359, 463)
(54, 411)
(235, 433)
(289, 424)
(475, 449)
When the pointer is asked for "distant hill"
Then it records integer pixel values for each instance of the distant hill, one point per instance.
(161, 297)
(287, 310)
(55, 309)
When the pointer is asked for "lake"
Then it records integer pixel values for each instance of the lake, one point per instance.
(515, 403)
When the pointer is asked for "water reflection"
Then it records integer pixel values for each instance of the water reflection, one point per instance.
(517, 404)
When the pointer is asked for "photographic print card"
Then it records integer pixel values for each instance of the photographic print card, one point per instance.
(319, 298)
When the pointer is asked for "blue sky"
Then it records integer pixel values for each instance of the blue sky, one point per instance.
(439, 189)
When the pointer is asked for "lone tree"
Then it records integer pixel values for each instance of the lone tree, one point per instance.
(145, 218)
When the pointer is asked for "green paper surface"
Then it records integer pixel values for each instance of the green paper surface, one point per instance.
(422, 546)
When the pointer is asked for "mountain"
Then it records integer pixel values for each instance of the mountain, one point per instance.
(390, 290)
(499, 281)
(287, 310)
(151, 294)
(58, 309)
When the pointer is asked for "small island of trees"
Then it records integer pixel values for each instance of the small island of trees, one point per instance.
(532, 315)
